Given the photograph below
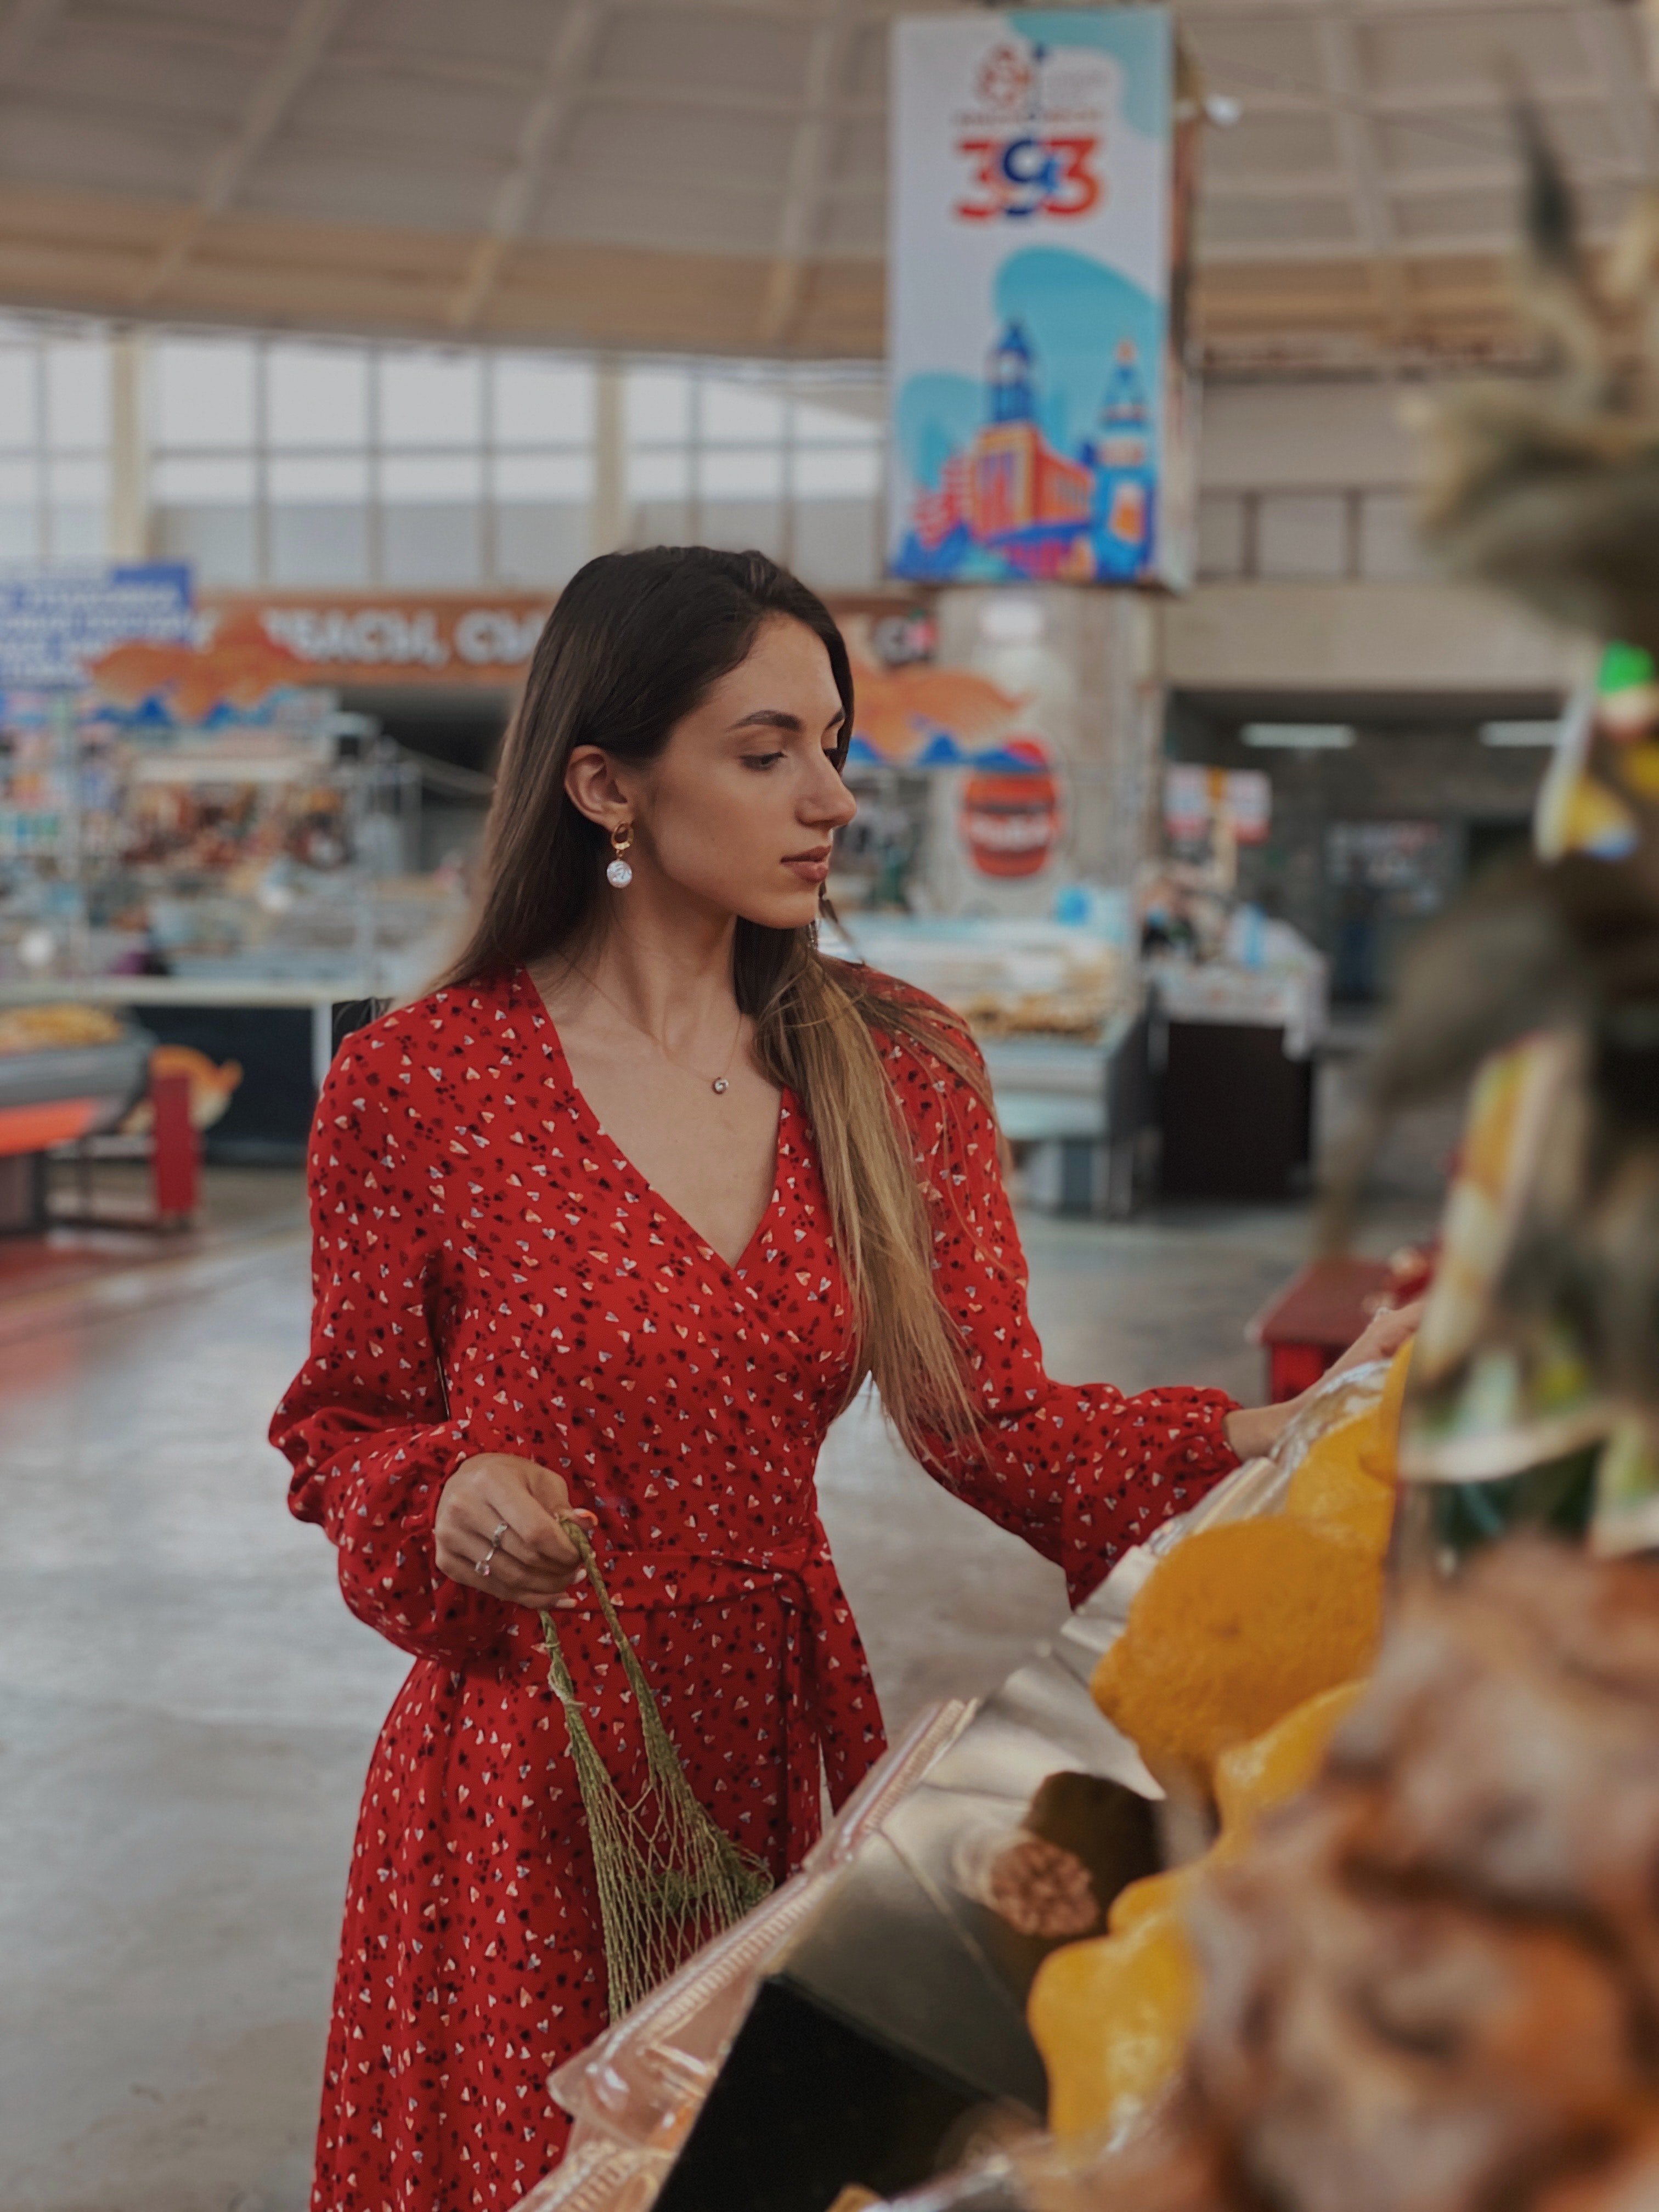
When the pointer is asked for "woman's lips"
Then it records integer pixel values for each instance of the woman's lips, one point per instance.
(810, 867)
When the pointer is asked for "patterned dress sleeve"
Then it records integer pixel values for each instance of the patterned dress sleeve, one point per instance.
(365, 1424)
(1082, 1472)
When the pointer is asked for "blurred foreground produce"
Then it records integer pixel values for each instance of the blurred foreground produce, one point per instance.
(1534, 1397)
(1431, 1983)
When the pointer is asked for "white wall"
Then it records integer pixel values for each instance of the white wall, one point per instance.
(1268, 436)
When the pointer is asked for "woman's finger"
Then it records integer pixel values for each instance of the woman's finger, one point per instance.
(511, 1580)
(510, 1493)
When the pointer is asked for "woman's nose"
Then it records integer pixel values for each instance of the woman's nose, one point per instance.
(829, 801)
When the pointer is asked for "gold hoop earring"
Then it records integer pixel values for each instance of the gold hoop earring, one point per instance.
(619, 875)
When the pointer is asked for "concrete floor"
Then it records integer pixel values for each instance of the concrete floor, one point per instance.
(189, 1709)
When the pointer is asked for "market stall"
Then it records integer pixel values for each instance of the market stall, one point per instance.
(196, 829)
(1056, 1009)
(66, 1071)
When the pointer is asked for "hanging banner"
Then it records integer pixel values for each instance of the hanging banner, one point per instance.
(55, 625)
(391, 637)
(1039, 397)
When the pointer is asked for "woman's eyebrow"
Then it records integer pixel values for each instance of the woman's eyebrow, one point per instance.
(779, 717)
(771, 718)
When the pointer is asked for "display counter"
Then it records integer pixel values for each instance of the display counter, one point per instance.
(1233, 1055)
(53, 1096)
(1056, 1011)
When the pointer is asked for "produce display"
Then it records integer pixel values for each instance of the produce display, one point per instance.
(54, 1027)
(1427, 1983)
(1241, 1655)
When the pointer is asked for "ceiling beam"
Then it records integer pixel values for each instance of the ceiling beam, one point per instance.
(1614, 42)
(809, 176)
(309, 30)
(120, 25)
(569, 65)
(21, 28)
(1343, 72)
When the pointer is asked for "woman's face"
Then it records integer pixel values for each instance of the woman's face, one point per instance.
(739, 809)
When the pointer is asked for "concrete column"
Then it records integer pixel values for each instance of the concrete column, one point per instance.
(129, 454)
(1089, 663)
(608, 526)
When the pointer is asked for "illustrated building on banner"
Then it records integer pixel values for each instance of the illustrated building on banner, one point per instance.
(1040, 423)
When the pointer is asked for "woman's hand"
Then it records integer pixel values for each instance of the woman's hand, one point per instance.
(1253, 1429)
(497, 1532)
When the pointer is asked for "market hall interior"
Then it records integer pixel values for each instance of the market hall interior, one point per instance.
(335, 337)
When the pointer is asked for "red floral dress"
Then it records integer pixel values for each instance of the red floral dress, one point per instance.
(492, 1275)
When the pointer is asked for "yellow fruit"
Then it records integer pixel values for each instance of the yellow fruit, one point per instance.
(1334, 1490)
(1111, 2017)
(1382, 1456)
(1153, 1893)
(1253, 1776)
(1237, 1627)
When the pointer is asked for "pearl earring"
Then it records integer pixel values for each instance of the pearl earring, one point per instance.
(619, 875)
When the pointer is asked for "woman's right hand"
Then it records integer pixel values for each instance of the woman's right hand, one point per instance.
(532, 1560)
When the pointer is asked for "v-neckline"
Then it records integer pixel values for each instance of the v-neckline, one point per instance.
(736, 1267)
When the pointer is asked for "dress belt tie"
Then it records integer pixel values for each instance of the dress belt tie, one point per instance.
(830, 1699)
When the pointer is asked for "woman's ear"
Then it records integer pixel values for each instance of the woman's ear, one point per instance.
(590, 784)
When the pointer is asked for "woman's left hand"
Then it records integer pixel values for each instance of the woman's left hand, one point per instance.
(1253, 1429)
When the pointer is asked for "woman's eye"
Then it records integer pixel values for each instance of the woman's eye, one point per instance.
(762, 760)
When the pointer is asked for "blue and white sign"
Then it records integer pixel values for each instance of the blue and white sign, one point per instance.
(54, 626)
(1036, 387)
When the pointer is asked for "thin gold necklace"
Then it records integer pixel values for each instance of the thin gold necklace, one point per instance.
(720, 1084)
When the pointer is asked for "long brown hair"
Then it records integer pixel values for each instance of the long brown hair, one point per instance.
(635, 645)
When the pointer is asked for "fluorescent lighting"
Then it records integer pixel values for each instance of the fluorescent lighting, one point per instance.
(1520, 733)
(1301, 737)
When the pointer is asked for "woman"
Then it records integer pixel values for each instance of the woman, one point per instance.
(617, 1219)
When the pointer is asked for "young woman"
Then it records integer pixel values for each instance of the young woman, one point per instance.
(617, 1219)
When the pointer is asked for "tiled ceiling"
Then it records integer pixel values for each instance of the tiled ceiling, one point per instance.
(710, 174)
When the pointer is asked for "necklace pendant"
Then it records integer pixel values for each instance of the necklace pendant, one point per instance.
(721, 1086)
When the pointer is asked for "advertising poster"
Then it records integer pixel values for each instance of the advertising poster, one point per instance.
(1039, 398)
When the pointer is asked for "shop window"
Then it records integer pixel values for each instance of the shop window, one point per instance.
(838, 472)
(657, 406)
(726, 474)
(431, 399)
(203, 394)
(741, 414)
(19, 424)
(655, 477)
(519, 478)
(19, 510)
(538, 543)
(316, 396)
(318, 520)
(221, 542)
(77, 394)
(77, 507)
(817, 425)
(431, 543)
(838, 543)
(746, 525)
(541, 402)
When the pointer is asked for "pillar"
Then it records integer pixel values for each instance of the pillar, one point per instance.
(608, 526)
(1089, 664)
(129, 456)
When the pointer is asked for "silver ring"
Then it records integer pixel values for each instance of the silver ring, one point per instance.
(499, 1530)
